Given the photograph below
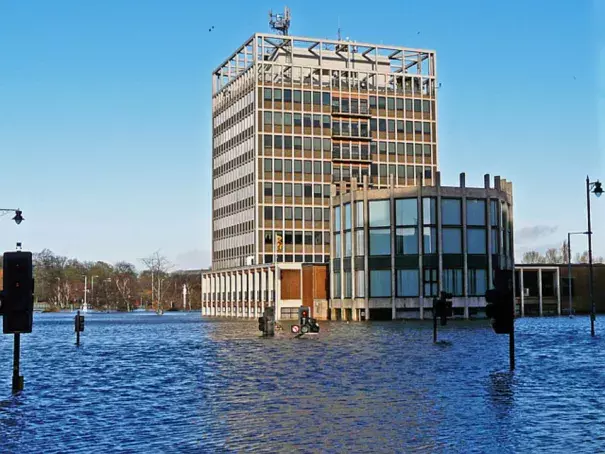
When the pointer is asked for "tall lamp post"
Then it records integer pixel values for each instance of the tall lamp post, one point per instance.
(594, 187)
(85, 307)
(92, 291)
(569, 234)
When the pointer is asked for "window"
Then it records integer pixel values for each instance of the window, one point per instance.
(380, 283)
(269, 213)
(308, 167)
(348, 248)
(336, 218)
(475, 212)
(348, 284)
(360, 285)
(287, 166)
(380, 242)
(476, 241)
(298, 213)
(450, 211)
(407, 283)
(288, 215)
(317, 191)
(277, 118)
(268, 120)
(288, 95)
(268, 189)
(278, 190)
(268, 237)
(337, 245)
(268, 165)
(406, 241)
(358, 214)
(297, 166)
(477, 282)
(268, 94)
(297, 122)
(277, 94)
(297, 190)
(288, 189)
(431, 286)
(308, 190)
(381, 102)
(307, 97)
(297, 96)
(494, 213)
(359, 242)
(326, 99)
(316, 97)
(429, 211)
(278, 215)
(406, 211)
(452, 282)
(429, 240)
(495, 245)
(347, 207)
(380, 215)
(317, 214)
(337, 285)
(452, 241)
(308, 214)
(277, 165)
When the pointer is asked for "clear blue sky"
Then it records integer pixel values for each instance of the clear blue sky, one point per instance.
(105, 111)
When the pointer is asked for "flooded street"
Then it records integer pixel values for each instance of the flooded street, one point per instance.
(176, 383)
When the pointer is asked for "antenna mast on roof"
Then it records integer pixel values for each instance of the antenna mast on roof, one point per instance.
(280, 22)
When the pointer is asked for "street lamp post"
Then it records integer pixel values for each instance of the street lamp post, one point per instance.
(85, 307)
(569, 234)
(92, 291)
(18, 218)
(594, 187)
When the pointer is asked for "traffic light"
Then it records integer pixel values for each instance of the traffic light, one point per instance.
(303, 315)
(499, 310)
(79, 323)
(18, 293)
(443, 307)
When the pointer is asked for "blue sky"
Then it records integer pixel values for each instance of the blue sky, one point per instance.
(105, 111)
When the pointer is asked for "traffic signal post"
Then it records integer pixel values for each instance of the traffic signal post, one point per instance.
(17, 304)
(442, 309)
(500, 309)
(306, 323)
(79, 327)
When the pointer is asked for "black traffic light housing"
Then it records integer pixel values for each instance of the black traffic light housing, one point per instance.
(500, 303)
(79, 321)
(18, 294)
(443, 307)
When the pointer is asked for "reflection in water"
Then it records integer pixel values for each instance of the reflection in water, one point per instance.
(144, 383)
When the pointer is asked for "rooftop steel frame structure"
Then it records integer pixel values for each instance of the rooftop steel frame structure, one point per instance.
(264, 47)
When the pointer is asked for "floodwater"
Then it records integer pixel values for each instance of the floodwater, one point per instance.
(177, 383)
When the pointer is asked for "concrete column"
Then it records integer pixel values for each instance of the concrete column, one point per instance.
(211, 296)
(366, 239)
(353, 240)
(488, 231)
(231, 286)
(464, 244)
(421, 246)
(270, 288)
(540, 290)
(277, 285)
(557, 283)
(521, 286)
(247, 293)
(392, 228)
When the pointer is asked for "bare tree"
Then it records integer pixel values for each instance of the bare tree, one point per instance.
(159, 266)
(533, 257)
(125, 278)
(553, 256)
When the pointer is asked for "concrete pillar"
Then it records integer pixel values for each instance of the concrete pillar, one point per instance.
(465, 245)
(366, 239)
(540, 290)
(232, 302)
(247, 294)
(522, 288)
(392, 226)
(421, 247)
(271, 289)
(557, 283)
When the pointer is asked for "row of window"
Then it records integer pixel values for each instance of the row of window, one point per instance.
(234, 185)
(236, 162)
(238, 116)
(232, 230)
(235, 140)
(400, 149)
(401, 126)
(280, 238)
(407, 283)
(232, 253)
(234, 207)
(400, 171)
(346, 105)
(280, 142)
(310, 214)
(298, 258)
(298, 166)
(406, 241)
(296, 190)
(296, 119)
(407, 212)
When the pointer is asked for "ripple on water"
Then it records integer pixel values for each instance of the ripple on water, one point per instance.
(143, 383)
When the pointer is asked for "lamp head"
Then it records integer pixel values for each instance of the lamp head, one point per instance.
(18, 217)
(598, 190)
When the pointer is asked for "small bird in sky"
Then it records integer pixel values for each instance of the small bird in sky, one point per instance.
(418, 33)
(574, 77)
(211, 28)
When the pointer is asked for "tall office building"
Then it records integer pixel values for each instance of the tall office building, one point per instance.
(291, 115)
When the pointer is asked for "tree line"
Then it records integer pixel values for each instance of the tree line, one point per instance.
(60, 282)
(558, 256)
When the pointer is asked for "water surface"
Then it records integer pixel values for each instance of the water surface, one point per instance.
(177, 383)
